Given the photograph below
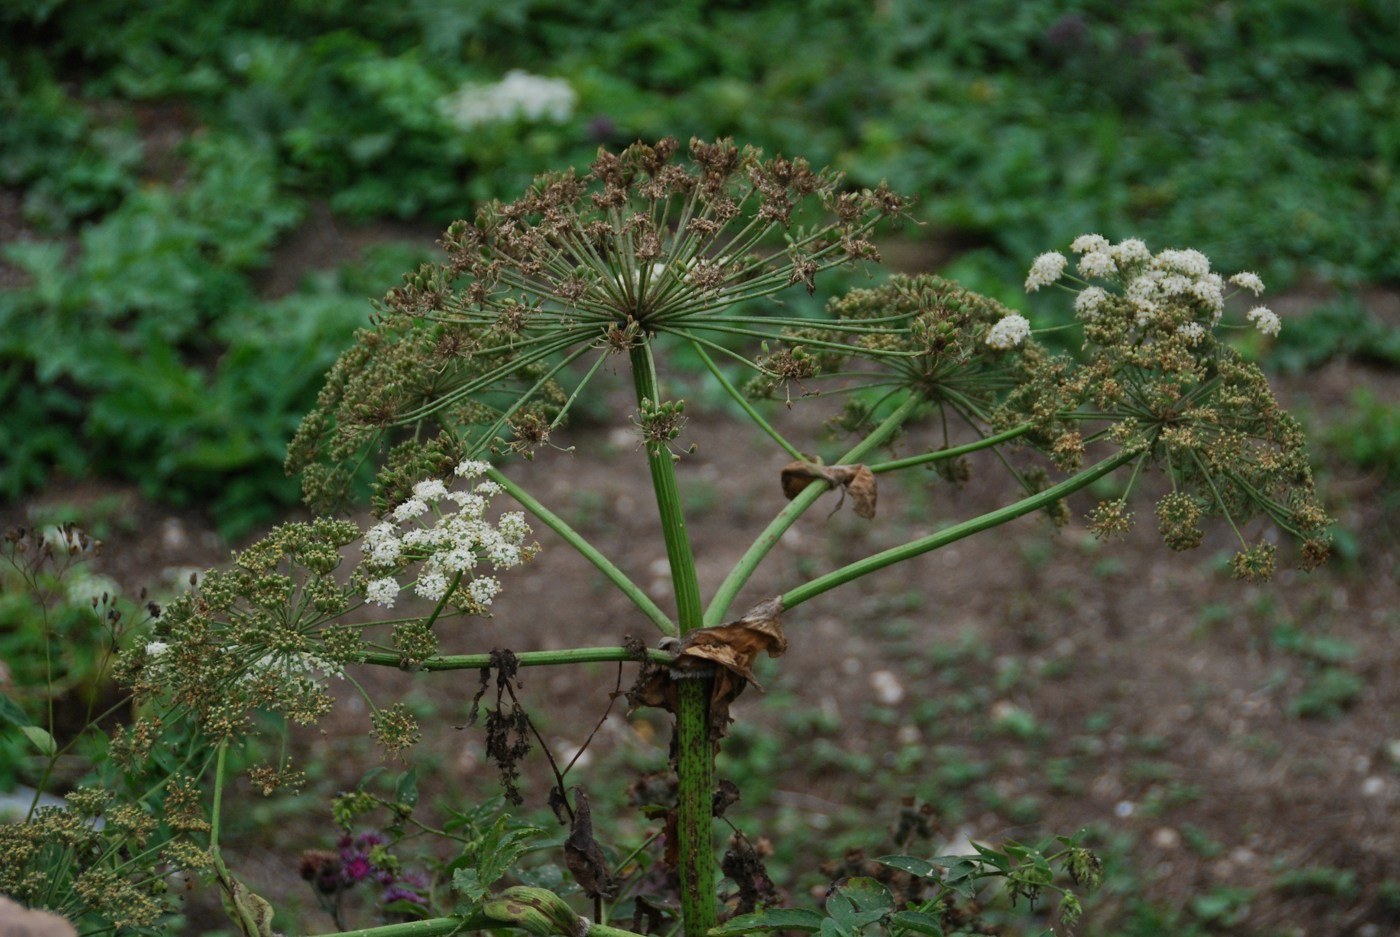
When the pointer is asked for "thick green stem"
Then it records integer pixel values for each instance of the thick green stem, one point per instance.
(768, 539)
(589, 552)
(695, 752)
(958, 531)
(577, 655)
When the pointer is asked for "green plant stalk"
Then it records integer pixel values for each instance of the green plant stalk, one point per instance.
(768, 539)
(442, 926)
(939, 455)
(967, 528)
(589, 552)
(576, 655)
(695, 764)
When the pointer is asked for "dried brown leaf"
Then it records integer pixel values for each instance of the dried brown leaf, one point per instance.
(583, 856)
(733, 646)
(856, 480)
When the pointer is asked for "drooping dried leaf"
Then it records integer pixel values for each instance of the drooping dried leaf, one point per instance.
(856, 480)
(733, 646)
(859, 482)
(798, 475)
(583, 856)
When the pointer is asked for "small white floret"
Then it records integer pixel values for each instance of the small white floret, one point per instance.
(1264, 320)
(471, 468)
(1089, 301)
(1011, 331)
(382, 591)
(1046, 269)
(1097, 265)
(1248, 281)
(410, 508)
(1086, 243)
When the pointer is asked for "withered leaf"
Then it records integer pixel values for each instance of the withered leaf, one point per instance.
(725, 796)
(733, 646)
(856, 480)
(582, 855)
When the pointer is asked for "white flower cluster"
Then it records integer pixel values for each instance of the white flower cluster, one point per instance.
(293, 667)
(446, 533)
(1152, 283)
(1008, 332)
(518, 96)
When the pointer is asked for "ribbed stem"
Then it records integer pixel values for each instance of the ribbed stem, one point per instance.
(695, 752)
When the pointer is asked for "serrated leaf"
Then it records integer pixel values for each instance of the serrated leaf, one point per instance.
(918, 922)
(41, 740)
(491, 856)
(11, 713)
(911, 864)
(803, 919)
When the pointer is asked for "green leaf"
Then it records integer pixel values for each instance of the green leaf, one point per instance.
(406, 791)
(41, 740)
(489, 858)
(11, 713)
(803, 919)
(859, 903)
(911, 864)
(918, 922)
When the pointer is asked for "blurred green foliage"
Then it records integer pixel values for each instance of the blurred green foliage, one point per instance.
(157, 150)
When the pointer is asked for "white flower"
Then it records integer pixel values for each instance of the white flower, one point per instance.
(1010, 331)
(1086, 243)
(430, 490)
(502, 554)
(513, 527)
(1190, 262)
(1045, 269)
(410, 508)
(1264, 320)
(487, 489)
(519, 95)
(1193, 332)
(431, 586)
(384, 552)
(1097, 265)
(469, 503)
(1130, 251)
(472, 468)
(382, 591)
(1089, 301)
(1248, 281)
(155, 649)
(483, 590)
(457, 559)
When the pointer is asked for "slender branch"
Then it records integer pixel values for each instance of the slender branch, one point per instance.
(724, 595)
(940, 454)
(575, 655)
(589, 552)
(987, 521)
(743, 402)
